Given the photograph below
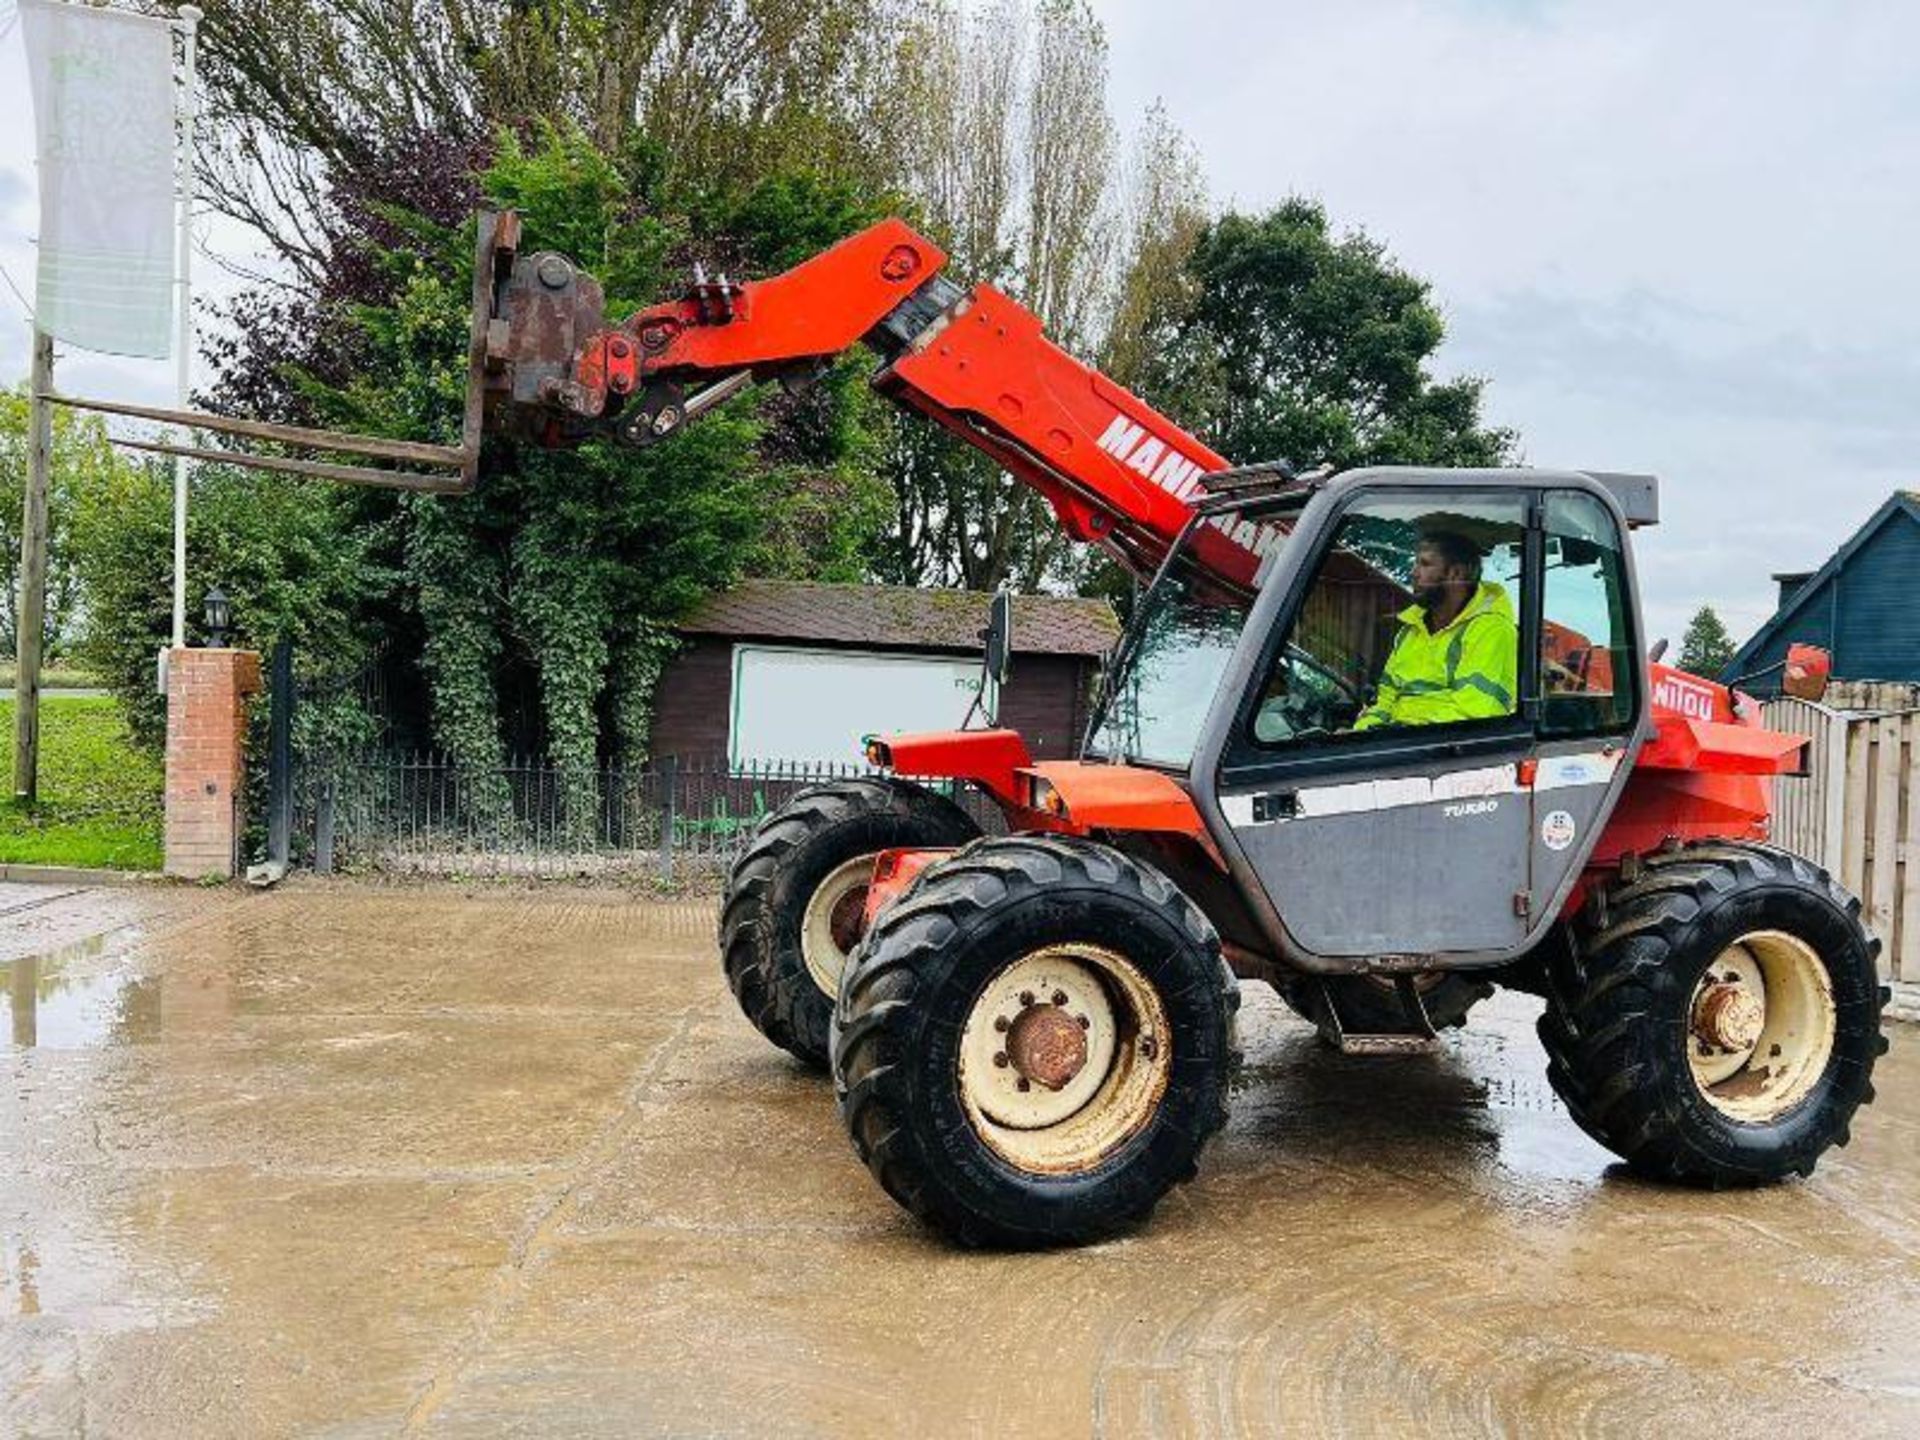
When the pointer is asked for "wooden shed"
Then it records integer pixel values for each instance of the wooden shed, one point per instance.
(787, 671)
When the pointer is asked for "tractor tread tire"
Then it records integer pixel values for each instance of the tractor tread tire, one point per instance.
(911, 980)
(1618, 991)
(818, 829)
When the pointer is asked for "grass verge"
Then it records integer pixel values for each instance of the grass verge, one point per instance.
(100, 797)
(54, 677)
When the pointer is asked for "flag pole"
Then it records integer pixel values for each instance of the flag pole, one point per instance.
(188, 22)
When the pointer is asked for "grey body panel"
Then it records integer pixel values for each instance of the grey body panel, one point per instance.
(1402, 882)
(1637, 495)
(1369, 878)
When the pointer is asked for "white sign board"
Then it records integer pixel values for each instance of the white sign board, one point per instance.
(103, 98)
(815, 706)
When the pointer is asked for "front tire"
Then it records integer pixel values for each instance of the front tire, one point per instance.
(1034, 1044)
(1717, 1021)
(795, 898)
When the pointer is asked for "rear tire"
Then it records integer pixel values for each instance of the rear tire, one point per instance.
(782, 950)
(1014, 941)
(1717, 1019)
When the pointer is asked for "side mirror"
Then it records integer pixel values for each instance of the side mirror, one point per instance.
(1808, 669)
(999, 637)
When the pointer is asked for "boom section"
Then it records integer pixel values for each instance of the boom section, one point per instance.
(1116, 471)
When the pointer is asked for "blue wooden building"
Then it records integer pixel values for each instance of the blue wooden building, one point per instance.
(1862, 606)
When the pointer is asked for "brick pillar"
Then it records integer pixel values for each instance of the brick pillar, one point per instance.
(207, 694)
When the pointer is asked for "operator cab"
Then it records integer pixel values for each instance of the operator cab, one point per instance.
(1409, 770)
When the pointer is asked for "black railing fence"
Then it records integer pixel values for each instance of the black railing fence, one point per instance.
(672, 819)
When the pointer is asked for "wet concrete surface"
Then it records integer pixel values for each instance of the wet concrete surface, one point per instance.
(351, 1162)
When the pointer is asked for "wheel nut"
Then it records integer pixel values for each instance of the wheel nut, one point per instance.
(1085, 1024)
(1002, 1024)
(1059, 997)
(1026, 997)
(1000, 1060)
(1024, 1084)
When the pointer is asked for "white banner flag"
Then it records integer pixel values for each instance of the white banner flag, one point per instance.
(103, 100)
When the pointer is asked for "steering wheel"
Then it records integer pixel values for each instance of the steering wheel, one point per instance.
(1310, 661)
(1303, 712)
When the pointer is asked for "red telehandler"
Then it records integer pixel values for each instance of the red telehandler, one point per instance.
(1031, 1035)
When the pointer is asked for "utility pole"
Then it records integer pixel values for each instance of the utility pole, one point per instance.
(32, 610)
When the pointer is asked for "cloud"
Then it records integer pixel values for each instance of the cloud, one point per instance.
(1660, 351)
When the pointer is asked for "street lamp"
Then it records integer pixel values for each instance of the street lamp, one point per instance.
(219, 618)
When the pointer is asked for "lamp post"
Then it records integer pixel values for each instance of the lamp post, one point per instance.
(219, 618)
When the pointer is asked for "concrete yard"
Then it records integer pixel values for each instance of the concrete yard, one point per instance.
(352, 1161)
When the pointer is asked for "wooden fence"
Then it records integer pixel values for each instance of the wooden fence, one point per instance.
(1858, 812)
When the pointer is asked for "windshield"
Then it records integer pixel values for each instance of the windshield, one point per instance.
(1177, 647)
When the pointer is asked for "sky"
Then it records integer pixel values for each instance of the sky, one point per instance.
(1674, 238)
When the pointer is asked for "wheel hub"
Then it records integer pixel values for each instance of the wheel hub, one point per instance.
(834, 921)
(848, 920)
(1064, 1056)
(1047, 1046)
(1728, 1016)
(1761, 1026)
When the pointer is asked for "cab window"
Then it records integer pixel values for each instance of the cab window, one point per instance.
(1411, 620)
(1587, 650)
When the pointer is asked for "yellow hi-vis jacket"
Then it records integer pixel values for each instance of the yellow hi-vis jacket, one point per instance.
(1466, 670)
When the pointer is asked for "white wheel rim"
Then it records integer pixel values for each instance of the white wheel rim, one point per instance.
(825, 958)
(1042, 1100)
(1760, 1026)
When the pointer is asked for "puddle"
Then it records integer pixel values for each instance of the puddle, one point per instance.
(46, 1005)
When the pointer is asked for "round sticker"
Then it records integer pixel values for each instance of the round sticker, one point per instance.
(1556, 831)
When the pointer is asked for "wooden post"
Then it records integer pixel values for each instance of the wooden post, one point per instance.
(33, 576)
(1834, 797)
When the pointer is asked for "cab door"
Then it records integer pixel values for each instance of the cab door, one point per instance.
(1376, 782)
(1590, 679)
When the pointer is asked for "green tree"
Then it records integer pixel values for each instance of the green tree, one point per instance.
(1293, 342)
(84, 466)
(726, 92)
(1706, 649)
(1007, 145)
(557, 578)
(283, 553)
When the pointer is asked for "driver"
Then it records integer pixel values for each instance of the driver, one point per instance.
(1456, 656)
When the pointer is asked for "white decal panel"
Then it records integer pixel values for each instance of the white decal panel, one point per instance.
(1554, 772)
(1366, 796)
(1238, 809)
(1565, 772)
